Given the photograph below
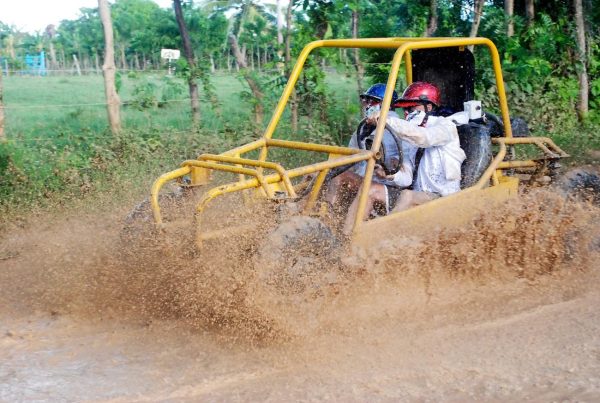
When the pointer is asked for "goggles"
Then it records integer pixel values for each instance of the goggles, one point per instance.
(369, 101)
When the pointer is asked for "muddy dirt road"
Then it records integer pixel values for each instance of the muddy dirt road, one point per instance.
(459, 316)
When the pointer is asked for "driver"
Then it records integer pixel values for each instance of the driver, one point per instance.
(348, 183)
(435, 155)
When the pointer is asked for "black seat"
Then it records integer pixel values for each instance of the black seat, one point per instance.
(476, 141)
(453, 71)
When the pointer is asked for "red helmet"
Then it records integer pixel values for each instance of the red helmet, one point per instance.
(419, 93)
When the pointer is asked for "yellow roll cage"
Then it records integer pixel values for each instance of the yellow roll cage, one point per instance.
(232, 161)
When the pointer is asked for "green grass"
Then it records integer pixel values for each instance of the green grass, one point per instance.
(46, 106)
(59, 146)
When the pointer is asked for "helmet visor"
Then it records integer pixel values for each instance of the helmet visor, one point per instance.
(406, 104)
(368, 100)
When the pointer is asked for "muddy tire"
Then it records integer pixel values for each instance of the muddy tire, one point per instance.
(139, 233)
(298, 256)
(297, 266)
(582, 183)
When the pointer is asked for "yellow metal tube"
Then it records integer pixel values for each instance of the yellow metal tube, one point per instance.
(350, 159)
(314, 194)
(233, 169)
(544, 143)
(245, 148)
(408, 67)
(517, 164)
(363, 195)
(158, 184)
(298, 145)
(485, 178)
(293, 173)
(265, 164)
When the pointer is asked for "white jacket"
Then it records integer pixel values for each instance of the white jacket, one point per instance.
(439, 170)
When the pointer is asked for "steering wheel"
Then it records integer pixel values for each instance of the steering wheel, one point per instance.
(384, 157)
(364, 142)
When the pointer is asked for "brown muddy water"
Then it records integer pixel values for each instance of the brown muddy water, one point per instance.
(506, 309)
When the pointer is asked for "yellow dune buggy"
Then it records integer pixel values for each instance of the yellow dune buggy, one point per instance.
(490, 173)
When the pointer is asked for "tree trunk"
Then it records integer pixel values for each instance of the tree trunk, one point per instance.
(252, 83)
(2, 135)
(583, 99)
(189, 55)
(360, 71)
(53, 62)
(509, 6)
(63, 59)
(433, 19)
(96, 62)
(280, 65)
(529, 12)
(288, 65)
(123, 57)
(477, 11)
(258, 57)
(76, 61)
(112, 98)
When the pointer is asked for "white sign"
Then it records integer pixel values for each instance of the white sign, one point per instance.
(171, 54)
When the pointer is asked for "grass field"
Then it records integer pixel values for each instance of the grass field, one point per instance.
(59, 144)
(44, 107)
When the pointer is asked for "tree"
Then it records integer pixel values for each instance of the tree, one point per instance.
(2, 135)
(433, 19)
(131, 17)
(108, 68)
(583, 99)
(288, 64)
(50, 33)
(477, 11)
(360, 70)
(189, 56)
(280, 37)
(250, 79)
(529, 12)
(509, 6)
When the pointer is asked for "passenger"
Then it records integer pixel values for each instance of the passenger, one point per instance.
(348, 183)
(434, 158)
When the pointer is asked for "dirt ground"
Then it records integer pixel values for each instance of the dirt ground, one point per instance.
(504, 310)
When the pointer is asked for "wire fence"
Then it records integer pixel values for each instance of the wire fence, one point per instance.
(72, 71)
(20, 106)
(25, 116)
(170, 133)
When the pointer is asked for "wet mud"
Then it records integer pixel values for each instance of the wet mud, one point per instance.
(502, 309)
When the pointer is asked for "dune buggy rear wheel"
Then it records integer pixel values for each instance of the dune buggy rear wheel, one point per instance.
(582, 183)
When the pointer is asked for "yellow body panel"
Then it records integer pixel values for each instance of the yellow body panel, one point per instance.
(446, 212)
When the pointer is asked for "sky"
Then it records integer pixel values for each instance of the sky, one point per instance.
(36, 15)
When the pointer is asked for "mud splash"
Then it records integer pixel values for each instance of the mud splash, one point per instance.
(86, 270)
(428, 303)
